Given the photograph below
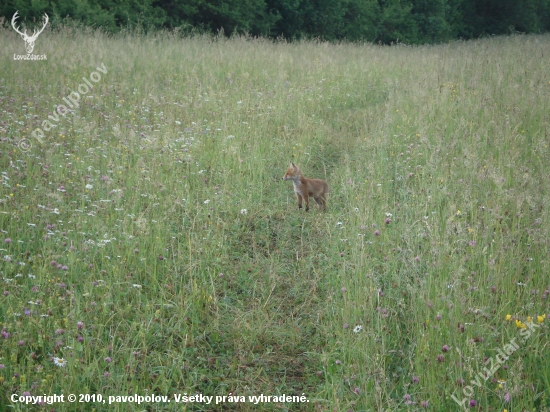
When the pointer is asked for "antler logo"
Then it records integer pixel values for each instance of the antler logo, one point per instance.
(29, 40)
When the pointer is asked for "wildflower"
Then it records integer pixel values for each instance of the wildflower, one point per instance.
(89, 186)
(377, 233)
(424, 404)
(357, 329)
(473, 403)
(135, 285)
(7, 240)
(108, 359)
(445, 348)
(472, 243)
(529, 319)
(520, 324)
(79, 325)
(338, 362)
(540, 318)
(244, 211)
(458, 213)
(415, 379)
(508, 317)
(206, 201)
(407, 398)
(440, 358)
(59, 362)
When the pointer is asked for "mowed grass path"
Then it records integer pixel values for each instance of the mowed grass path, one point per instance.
(149, 242)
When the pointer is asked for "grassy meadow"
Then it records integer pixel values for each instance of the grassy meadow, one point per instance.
(149, 245)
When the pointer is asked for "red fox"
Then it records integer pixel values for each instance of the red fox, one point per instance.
(304, 188)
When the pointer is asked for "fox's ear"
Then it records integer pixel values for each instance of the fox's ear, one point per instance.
(292, 164)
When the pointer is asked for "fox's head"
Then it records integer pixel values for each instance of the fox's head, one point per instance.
(292, 173)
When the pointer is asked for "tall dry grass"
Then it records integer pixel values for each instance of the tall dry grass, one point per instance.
(150, 242)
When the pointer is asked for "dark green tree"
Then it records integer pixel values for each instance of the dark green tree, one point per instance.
(431, 20)
(290, 22)
(397, 22)
(362, 20)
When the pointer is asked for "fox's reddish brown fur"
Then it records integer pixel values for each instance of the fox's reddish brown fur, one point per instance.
(304, 187)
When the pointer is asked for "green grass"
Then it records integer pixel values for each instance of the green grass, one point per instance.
(189, 266)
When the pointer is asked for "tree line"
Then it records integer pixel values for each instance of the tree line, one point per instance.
(379, 21)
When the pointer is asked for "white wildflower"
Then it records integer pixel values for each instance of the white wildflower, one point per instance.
(59, 362)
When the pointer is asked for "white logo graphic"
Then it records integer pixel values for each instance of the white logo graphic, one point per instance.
(29, 40)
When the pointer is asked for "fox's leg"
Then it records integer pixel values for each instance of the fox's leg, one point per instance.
(324, 201)
(306, 198)
(299, 201)
(320, 201)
